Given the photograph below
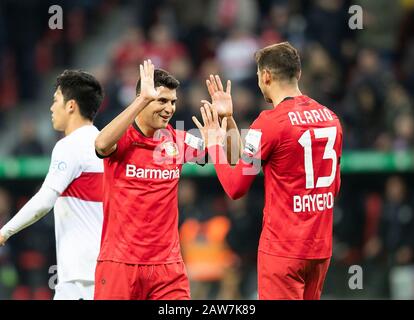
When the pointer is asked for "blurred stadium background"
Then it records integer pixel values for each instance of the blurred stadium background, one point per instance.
(366, 76)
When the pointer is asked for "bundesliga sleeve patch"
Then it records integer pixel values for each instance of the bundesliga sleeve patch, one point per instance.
(194, 142)
(252, 141)
(58, 165)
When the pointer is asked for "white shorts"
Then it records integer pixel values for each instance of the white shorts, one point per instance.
(74, 290)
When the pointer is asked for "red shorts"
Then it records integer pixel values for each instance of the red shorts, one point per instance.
(121, 281)
(290, 279)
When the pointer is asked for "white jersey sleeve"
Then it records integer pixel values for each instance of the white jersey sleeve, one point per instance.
(64, 167)
(37, 207)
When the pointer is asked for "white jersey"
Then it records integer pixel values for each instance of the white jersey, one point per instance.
(76, 174)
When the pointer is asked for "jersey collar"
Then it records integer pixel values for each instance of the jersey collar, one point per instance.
(287, 98)
(134, 124)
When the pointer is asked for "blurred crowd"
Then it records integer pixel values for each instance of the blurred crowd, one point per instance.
(29, 49)
(366, 76)
(373, 228)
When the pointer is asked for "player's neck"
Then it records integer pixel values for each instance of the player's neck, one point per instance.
(278, 92)
(75, 124)
(144, 129)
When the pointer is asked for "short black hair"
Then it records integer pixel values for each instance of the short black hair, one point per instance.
(161, 78)
(83, 88)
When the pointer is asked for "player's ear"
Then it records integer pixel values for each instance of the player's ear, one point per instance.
(71, 106)
(267, 76)
(299, 75)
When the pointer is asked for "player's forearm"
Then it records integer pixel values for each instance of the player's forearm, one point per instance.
(237, 180)
(36, 208)
(108, 137)
(233, 147)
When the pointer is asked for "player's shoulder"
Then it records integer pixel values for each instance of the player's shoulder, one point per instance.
(264, 115)
(331, 115)
(89, 131)
(267, 119)
(131, 134)
(173, 130)
(81, 135)
(66, 150)
(327, 111)
(63, 145)
(334, 115)
(72, 143)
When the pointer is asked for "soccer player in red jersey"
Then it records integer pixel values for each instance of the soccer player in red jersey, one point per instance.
(299, 144)
(143, 155)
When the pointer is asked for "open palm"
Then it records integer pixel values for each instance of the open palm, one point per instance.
(148, 89)
(212, 132)
(219, 98)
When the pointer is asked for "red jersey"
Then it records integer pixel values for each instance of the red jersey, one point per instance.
(140, 196)
(299, 144)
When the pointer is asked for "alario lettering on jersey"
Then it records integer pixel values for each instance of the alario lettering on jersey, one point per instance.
(308, 117)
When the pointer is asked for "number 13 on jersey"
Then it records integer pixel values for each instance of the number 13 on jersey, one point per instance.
(329, 153)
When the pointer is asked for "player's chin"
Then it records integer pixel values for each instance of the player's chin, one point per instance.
(54, 125)
(163, 123)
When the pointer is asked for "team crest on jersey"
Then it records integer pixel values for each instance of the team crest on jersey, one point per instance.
(170, 148)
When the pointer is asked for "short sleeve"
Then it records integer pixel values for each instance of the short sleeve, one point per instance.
(259, 140)
(118, 153)
(64, 167)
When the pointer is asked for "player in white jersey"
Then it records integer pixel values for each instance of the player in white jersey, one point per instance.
(73, 186)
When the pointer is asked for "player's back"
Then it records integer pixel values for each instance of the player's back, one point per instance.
(78, 211)
(301, 145)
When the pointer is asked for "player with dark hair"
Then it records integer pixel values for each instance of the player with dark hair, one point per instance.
(83, 88)
(143, 155)
(73, 186)
(299, 143)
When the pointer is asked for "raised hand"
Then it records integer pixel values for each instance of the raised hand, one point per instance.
(148, 90)
(219, 98)
(211, 131)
